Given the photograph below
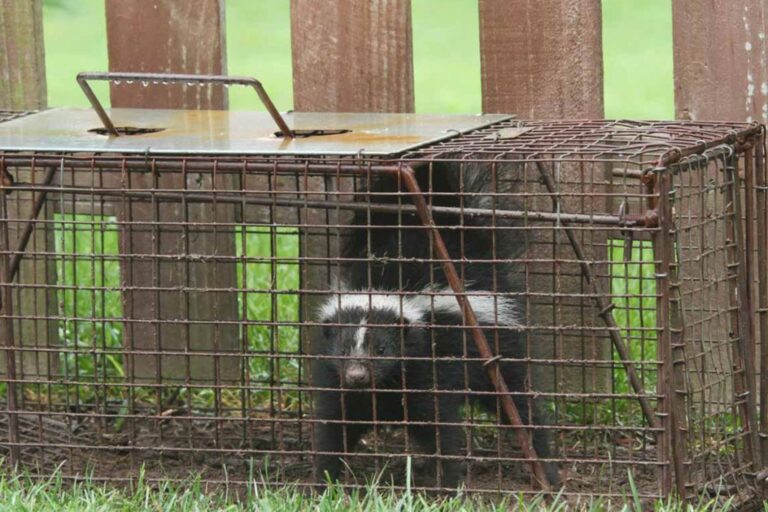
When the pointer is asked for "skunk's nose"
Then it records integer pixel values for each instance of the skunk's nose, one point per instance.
(357, 375)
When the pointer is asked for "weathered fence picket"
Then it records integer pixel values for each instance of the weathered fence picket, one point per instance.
(23, 87)
(542, 60)
(175, 37)
(351, 56)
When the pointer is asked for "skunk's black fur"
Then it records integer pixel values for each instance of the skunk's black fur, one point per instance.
(392, 355)
(453, 185)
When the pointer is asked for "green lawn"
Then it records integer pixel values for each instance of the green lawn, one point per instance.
(637, 50)
(23, 494)
(638, 83)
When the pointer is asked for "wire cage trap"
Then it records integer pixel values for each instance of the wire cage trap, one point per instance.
(513, 306)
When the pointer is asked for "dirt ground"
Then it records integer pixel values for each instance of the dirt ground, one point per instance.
(236, 453)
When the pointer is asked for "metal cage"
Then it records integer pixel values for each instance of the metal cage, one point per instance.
(159, 307)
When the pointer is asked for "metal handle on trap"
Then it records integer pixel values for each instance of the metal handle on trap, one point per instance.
(165, 78)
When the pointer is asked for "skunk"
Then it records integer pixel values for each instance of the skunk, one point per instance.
(393, 347)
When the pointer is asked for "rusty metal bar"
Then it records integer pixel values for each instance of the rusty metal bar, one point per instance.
(664, 440)
(747, 319)
(604, 308)
(672, 379)
(627, 173)
(9, 343)
(626, 221)
(676, 154)
(762, 274)
(164, 78)
(748, 255)
(29, 227)
(452, 276)
(740, 312)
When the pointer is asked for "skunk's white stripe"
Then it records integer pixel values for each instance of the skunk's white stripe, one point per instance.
(488, 308)
(375, 300)
(360, 336)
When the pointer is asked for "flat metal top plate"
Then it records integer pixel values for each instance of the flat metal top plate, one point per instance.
(230, 132)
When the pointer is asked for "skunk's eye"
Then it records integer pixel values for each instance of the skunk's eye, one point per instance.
(327, 331)
(380, 350)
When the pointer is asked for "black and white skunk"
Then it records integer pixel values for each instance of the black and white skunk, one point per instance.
(393, 338)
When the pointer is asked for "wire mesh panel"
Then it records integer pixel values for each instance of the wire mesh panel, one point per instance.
(522, 307)
(715, 305)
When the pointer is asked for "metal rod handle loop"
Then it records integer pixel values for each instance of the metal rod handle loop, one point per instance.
(164, 78)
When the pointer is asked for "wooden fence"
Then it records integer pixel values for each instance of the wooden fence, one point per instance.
(539, 59)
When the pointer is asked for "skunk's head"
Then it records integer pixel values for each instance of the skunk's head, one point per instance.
(368, 336)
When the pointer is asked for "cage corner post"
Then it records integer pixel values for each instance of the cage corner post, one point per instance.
(741, 313)
(6, 330)
(752, 284)
(671, 386)
(23, 87)
(761, 193)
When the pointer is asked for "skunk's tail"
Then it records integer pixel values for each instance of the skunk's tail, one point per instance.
(470, 205)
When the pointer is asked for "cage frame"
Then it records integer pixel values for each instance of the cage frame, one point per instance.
(748, 142)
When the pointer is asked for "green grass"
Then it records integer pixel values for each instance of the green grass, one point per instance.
(633, 288)
(89, 288)
(75, 36)
(262, 246)
(446, 56)
(259, 45)
(22, 493)
(633, 291)
(637, 53)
